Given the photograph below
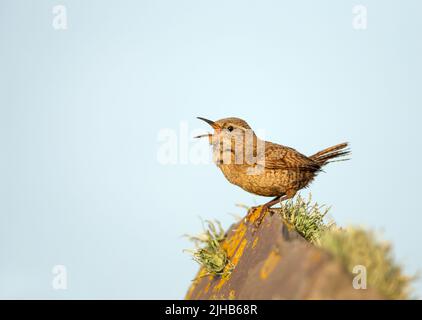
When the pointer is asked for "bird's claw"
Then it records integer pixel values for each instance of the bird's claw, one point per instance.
(261, 217)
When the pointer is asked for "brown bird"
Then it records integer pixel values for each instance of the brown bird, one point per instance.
(262, 167)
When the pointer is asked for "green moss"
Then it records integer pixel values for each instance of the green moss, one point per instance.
(356, 246)
(307, 218)
(208, 251)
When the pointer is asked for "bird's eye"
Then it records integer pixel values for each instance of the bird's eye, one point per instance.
(230, 128)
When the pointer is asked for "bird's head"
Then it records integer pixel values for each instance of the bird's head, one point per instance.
(227, 128)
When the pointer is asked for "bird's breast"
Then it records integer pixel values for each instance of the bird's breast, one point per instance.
(265, 182)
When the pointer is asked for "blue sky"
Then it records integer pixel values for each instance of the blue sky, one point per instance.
(81, 111)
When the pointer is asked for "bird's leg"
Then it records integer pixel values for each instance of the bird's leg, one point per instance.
(265, 207)
(289, 194)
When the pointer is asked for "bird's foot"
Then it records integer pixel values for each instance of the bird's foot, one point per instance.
(262, 213)
(256, 215)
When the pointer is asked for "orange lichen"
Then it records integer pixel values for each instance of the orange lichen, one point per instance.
(239, 252)
(233, 241)
(189, 294)
(234, 245)
(234, 260)
(202, 273)
(198, 294)
(254, 215)
(232, 295)
(207, 287)
(269, 265)
(190, 291)
(255, 242)
(220, 283)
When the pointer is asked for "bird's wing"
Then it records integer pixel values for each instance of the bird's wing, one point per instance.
(281, 157)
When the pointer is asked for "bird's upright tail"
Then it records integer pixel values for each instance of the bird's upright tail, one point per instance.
(327, 155)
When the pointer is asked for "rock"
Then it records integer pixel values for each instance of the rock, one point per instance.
(275, 262)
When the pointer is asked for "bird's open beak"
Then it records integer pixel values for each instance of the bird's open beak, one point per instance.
(210, 136)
